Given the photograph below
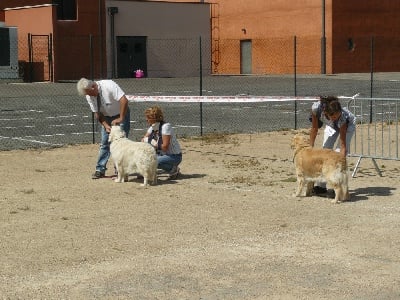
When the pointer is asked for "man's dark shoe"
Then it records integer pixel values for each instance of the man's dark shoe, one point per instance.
(317, 190)
(98, 175)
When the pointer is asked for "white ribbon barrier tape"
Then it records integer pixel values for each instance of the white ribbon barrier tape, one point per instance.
(222, 99)
(215, 99)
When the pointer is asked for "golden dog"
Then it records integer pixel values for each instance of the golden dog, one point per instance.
(316, 164)
(132, 157)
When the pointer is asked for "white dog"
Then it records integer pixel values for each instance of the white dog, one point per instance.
(314, 164)
(132, 157)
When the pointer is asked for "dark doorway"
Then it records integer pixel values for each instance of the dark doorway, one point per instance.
(40, 64)
(131, 55)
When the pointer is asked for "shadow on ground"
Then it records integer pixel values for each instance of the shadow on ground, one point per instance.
(364, 193)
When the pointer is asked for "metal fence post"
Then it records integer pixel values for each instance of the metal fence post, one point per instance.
(91, 55)
(30, 59)
(372, 78)
(201, 88)
(50, 58)
(91, 77)
(295, 79)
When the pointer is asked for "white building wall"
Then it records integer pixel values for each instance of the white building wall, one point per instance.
(173, 32)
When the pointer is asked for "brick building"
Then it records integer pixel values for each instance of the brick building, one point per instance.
(331, 36)
(247, 37)
(68, 39)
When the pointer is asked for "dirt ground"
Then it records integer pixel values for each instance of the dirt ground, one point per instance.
(227, 228)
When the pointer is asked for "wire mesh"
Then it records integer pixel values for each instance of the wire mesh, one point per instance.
(47, 113)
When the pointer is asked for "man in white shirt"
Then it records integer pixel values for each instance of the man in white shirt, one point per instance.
(110, 107)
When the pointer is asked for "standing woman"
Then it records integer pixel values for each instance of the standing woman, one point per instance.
(163, 138)
(339, 123)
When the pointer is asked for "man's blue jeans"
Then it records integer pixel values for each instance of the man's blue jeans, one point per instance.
(104, 152)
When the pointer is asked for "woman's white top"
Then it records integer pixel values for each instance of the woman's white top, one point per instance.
(174, 146)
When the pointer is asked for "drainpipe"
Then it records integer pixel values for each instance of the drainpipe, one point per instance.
(112, 11)
(323, 41)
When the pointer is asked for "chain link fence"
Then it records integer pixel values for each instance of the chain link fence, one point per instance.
(37, 112)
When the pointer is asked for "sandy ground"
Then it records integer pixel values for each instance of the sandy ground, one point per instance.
(227, 228)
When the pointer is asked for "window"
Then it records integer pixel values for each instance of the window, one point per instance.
(66, 9)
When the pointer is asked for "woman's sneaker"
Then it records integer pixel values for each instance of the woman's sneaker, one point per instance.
(173, 174)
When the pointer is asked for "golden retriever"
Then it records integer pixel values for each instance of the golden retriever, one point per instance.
(132, 157)
(316, 164)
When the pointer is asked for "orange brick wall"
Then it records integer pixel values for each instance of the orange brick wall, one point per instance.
(283, 19)
(43, 25)
(271, 26)
(365, 22)
(69, 59)
(68, 62)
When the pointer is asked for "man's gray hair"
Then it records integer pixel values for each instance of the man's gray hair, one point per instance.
(84, 84)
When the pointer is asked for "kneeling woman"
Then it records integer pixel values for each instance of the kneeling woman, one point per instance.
(161, 135)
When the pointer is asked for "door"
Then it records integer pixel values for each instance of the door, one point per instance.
(40, 65)
(245, 57)
(131, 55)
